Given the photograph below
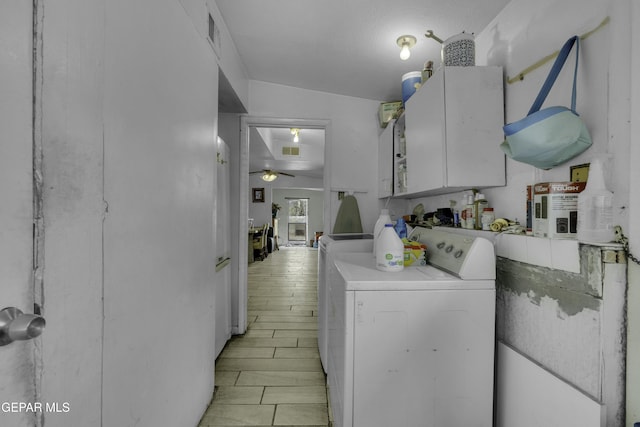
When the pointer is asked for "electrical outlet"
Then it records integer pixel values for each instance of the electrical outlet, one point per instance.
(580, 173)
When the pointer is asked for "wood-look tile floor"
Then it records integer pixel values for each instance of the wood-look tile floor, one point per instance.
(272, 375)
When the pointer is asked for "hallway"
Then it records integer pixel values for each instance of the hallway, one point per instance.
(272, 375)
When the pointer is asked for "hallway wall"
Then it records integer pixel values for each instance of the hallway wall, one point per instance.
(159, 252)
(130, 123)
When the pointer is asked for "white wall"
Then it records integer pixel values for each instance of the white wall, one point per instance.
(228, 57)
(129, 131)
(73, 144)
(159, 252)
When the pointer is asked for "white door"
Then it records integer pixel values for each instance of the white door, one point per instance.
(223, 249)
(17, 359)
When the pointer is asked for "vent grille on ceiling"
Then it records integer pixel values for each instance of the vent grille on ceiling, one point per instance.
(214, 36)
(291, 151)
(212, 29)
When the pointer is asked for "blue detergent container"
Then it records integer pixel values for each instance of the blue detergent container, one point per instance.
(410, 83)
(401, 228)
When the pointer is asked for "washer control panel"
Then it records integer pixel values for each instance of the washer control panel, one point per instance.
(466, 256)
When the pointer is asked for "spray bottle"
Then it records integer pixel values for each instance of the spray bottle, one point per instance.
(595, 208)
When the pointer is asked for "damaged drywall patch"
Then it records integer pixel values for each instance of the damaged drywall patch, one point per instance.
(573, 292)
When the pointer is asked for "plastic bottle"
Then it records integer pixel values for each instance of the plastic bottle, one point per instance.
(595, 208)
(471, 221)
(383, 219)
(427, 71)
(463, 212)
(478, 207)
(389, 250)
(455, 213)
(487, 218)
(401, 228)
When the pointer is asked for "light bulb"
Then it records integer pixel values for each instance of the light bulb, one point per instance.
(405, 53)
(296, 138)
(405, 43)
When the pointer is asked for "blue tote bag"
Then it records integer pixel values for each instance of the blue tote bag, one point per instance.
(551, 136)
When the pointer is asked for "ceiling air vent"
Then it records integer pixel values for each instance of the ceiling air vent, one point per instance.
(290, 151)
(214, 36)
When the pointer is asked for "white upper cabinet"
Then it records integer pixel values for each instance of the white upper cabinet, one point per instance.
(453, 132)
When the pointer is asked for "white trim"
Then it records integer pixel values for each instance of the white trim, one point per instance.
(633, 309)
(243, 205)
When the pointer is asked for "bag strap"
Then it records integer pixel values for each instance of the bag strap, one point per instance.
(553, 74)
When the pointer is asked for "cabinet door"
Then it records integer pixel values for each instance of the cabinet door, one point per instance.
(385, 161)
(474, 118)
(425, 133)
(454, 129)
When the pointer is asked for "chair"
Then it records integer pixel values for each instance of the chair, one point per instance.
(260, 243)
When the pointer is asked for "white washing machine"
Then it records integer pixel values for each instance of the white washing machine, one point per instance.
(329, 245)
(414, 348)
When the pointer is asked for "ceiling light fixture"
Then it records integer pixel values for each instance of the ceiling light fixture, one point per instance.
(296, 134)
(269, 176)
(405, 42)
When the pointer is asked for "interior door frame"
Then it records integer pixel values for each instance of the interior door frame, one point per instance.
(247, 122)
(21, 227)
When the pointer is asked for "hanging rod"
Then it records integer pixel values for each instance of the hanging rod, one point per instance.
(520, 76)
(349, 191)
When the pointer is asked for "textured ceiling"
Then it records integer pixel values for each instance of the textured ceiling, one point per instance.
(346, 46)
(266, 151)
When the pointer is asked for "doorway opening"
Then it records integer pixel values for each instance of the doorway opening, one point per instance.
(297, 222)
(248, 130)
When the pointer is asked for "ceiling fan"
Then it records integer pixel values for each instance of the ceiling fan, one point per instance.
(269, 175)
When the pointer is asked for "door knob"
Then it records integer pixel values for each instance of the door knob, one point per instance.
(18, 326)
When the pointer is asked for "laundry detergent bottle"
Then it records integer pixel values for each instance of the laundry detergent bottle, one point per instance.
(595, 208)
(383, 219)
(389, 250)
